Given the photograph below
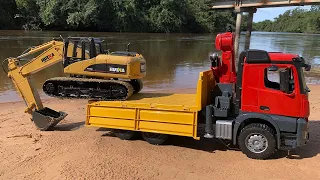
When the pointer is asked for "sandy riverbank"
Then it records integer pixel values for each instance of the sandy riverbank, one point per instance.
(74, 151)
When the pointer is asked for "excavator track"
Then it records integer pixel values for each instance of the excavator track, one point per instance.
(86, 88)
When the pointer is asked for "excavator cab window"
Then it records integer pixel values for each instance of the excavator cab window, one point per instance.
(91, 47)
(99, 49)
(86, 50)
(81, 49)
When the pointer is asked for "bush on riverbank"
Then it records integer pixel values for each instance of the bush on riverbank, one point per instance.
(113, 15)
(297, 21)
(141, 16)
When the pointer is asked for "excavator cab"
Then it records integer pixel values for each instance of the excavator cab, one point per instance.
(81, 48)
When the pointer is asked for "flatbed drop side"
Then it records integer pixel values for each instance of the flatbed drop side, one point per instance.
(163, 113)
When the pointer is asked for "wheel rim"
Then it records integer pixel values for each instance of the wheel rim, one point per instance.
(256, 143)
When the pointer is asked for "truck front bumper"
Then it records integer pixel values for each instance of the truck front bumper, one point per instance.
(301, 138)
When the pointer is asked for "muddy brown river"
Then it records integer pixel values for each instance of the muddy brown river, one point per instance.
(173, 60)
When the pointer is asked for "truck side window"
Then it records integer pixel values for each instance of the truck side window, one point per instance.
(272, 79)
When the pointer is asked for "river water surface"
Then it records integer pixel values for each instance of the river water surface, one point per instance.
(173, 60)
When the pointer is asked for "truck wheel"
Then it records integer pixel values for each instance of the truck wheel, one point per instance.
(137, 85)
(154, 138)
(125, 134)
(257, 141)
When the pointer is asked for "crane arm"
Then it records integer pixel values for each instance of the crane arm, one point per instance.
(52, 53)
(225, 68)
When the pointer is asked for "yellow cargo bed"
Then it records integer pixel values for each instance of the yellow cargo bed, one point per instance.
(165, 101)
(164, 113)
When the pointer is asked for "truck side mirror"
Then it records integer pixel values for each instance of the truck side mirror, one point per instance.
(284, 80)
(307, 67)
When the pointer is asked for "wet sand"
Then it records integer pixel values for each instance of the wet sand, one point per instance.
(74, 151)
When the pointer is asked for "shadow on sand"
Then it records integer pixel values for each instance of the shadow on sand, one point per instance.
(312, 148)
(68, 126)
(207, 145)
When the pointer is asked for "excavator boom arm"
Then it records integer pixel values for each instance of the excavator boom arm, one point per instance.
(52, 53)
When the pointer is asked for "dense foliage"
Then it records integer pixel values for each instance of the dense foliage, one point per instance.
(7, 12)
(114, 15)
(297, 20)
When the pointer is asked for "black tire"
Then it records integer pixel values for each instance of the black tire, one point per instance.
(262, 138)
(137, 85)
(125, 134)
(154, 138)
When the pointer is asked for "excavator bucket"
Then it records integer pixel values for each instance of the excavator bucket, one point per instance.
(47, 118)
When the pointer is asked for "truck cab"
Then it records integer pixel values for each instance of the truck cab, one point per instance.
(269, 95)
(272, 91)
(274, 83)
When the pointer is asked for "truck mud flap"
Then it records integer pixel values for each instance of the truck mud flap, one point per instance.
(47, 118)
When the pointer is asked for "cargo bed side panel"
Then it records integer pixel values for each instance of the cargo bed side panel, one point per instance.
(181, 123)
(168, 122)
(174, 114)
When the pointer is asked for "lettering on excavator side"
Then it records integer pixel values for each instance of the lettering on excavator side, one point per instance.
(108, 68)
(117, 69)
(48, 57)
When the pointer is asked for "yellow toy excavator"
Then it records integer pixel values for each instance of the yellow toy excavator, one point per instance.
(92, 73)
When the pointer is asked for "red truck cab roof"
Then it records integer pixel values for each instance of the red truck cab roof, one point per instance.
(278, 56)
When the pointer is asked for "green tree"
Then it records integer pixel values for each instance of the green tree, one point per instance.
(222, 19)
(297, 20)
(28, 17)
(168, 16)
(8, 10)
(82, 13)
(129, 16)
(54, 13)
(114, 15)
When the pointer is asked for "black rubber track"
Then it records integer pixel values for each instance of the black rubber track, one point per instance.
(85, 88)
